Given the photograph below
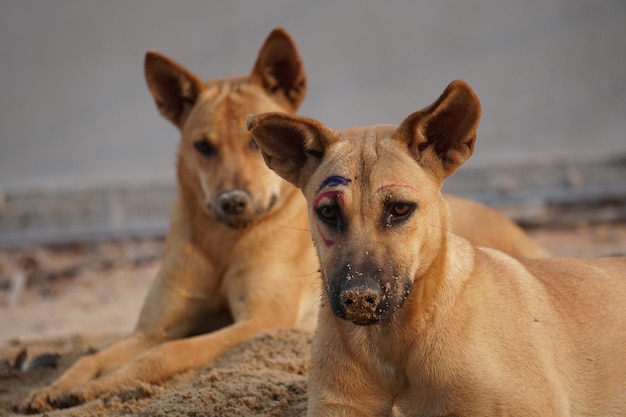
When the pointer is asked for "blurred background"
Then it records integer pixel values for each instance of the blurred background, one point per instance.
(84, 152)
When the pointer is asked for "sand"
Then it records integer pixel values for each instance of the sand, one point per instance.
(264, 377)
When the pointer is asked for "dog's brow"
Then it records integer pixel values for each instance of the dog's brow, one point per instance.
(333, 181)
(393, 185)
(338, 195)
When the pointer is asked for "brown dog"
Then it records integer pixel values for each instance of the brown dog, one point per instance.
(416, 320)
(239, 256)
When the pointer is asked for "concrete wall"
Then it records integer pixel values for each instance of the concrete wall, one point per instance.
(74, 107)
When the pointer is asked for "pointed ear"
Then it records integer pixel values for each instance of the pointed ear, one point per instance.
(441, 137)
(279, 70)
(174, 88)
(292, 146)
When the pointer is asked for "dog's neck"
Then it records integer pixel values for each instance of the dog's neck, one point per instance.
(437, 288)
(443, 278)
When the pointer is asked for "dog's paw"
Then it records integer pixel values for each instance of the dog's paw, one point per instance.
(43, 401)
(68, 400)
(97, 390)
(48, 399)
(36, 402)
(77, 396)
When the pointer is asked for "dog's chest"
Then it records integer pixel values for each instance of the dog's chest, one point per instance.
(421, 380)
(424, 401)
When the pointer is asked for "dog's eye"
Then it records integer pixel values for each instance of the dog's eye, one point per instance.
(329, 214)
(400, 209)
(397, 212)
(205, 148)
(253, 145)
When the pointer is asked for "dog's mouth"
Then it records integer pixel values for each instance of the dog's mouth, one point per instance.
(365, 301)
(364, 321)
(235, 223)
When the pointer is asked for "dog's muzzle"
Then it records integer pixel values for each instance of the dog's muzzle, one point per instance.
(234, 208)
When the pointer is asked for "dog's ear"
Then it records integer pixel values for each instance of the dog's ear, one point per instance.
(174, 88)
(292, 146)
(279, 70)
(441, 137)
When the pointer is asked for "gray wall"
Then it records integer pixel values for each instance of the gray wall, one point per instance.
(74, 108)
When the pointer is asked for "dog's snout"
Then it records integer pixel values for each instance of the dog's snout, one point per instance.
(360, 299)
(233, 202)
(366, 294)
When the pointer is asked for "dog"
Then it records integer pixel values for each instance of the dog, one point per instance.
(417, 321)
(238, 259)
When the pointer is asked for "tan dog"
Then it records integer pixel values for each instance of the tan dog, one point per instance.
(238, 253)
(239, 256)
(417, 321)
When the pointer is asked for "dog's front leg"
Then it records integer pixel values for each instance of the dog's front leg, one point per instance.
(86, 368)
(161, 363)
(253, 307)
(153, 329)
(176, 303)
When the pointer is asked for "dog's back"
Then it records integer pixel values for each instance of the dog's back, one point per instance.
(591, 294)
(485, 226)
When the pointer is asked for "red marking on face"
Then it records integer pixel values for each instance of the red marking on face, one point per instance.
(337, 195)
(327, 241)
(394, 185)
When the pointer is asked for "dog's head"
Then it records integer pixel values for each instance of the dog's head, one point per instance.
(219, 163)
(373, 193)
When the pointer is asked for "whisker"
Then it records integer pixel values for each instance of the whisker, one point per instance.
(309, 274)
(295, 228)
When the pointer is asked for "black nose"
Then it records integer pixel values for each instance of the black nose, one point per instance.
(233, 201)
(360, 299)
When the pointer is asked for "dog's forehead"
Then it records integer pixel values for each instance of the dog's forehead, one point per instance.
(362, 135)
(221, 109)
(359, 144)
(238, 94)
(366, 159)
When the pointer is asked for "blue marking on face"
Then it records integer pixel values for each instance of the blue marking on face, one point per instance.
(334, 181)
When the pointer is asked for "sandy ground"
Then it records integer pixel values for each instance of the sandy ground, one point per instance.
(68, 301)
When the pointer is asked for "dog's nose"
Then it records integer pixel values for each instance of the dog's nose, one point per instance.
(360, 299)
(233, 201)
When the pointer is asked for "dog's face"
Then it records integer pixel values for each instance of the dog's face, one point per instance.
(219, 163)
(368, 200)
(374, 198)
